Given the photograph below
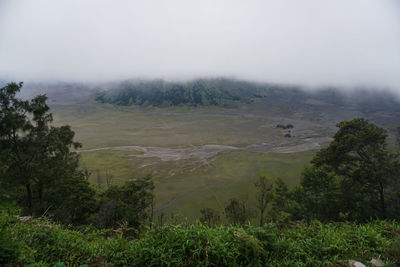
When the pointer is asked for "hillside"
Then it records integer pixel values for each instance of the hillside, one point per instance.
(229, 93)
(215, 92)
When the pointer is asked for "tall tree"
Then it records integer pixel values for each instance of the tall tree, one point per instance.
(264, 195)
(209, 216)
(322, 194)
(280, 201)
(366, 169)
(236, 211)
(131, 202)
(13, 121)
(32, 152)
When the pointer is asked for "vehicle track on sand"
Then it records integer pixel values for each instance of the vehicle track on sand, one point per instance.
(207, 151)
(204, 153)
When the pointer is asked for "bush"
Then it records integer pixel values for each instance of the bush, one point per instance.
(393, 250)
(42, 243)
(287, 126)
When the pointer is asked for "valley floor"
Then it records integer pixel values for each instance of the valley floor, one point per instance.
(200, 157)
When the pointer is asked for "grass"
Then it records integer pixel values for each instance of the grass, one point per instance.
(115, 163)
(314, 244)
(229, 175)
(105, 125)
(186, 186)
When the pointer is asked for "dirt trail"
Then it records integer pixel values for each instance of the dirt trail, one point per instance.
(305, 145)
(208, 151)
(171, 154)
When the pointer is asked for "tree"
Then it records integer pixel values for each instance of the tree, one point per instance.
(264, 195)
(71, 200)
(131, 202)
(281, 198)
(34, 154)
(236, 211)
(363, 166)
(56, 164)
(397, 134)
(321, 194)
(209, 216)
(13, 121)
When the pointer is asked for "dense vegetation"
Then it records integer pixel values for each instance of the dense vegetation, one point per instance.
(36, 158)
(43, 243)
(287, 126)
(355, 178)
(231, 93)
(347, 205)
(219, 92)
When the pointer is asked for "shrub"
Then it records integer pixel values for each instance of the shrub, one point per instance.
(39, 242)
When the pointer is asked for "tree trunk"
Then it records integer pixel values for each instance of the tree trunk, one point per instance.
(152, 213)
(382, 199)
(261, 217)
(40, 191)
(29, 200)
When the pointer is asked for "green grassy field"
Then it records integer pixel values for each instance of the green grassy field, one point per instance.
(185, 186)
(230, 175)
(98, 125)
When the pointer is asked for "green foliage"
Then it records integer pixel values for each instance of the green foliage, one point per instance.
(220, 92)
(314, 244)
(264, 195)
(237, 212)
(354, 178)
(320, 244)
(281, 195)
(209, 216)
(130, 202)
(8, 249)
(46, 242)
(37, 157)
(393, 251)
(322, 194)
(77, 206)
(287, 126)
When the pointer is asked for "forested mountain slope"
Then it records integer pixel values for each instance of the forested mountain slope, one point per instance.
(231, 93)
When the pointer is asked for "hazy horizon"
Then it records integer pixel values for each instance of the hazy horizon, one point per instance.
(309, 43)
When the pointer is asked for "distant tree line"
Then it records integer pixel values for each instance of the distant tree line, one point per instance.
(212, 92)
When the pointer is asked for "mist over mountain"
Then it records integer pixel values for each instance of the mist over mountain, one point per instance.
(223, 92)
(231, 93)
(276, 100)
(310, 42)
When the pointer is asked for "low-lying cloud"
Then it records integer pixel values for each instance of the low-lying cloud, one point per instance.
(308, 42)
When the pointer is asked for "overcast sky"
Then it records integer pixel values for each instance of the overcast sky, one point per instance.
(308, 42)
